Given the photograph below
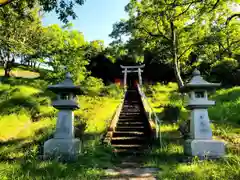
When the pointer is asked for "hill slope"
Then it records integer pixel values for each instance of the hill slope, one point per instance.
(27, 120)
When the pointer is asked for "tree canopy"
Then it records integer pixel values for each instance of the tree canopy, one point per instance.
(170, 36)
(63, 8)
(174, 31)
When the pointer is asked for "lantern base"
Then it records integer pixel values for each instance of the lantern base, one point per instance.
(62, 149)
(204, 148)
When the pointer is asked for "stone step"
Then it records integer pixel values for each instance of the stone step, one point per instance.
(130, 123)
(127, 115)
(131, 109)
(131, 120)
(131, 102)
(129, 140)
(127, 146)
(132, 133)
(126, 152)
(131, 128)
(128, 134)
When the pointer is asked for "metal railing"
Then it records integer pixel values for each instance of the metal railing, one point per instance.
(151, 114)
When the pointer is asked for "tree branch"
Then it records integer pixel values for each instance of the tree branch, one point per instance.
(234, 42)
(151, 34)
(159, 31)
(182, 4)
(179, 57)
(183, 12)
(155, 35)
(231, 17)
(214, 6)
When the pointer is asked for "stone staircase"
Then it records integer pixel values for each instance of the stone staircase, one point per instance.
(132, 134)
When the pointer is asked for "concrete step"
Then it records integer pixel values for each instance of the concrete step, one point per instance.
(131, 120)
(132, 115)
(128, 134)
(125, 152)
(127, 146)
(129, 140)
(130, 123)
(131, 128)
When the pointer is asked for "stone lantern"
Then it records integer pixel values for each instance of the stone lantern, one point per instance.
(201, 143)
(64, 144)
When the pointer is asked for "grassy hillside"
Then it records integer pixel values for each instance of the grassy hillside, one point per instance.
(27, 120)
(226, 127)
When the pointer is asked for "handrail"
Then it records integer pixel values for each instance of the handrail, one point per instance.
(150, 113)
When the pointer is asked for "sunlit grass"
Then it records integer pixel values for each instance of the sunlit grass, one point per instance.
(170, 158)
(27, 120)
(19, 72)
(168, 127)
(12, 124)
(97, 112)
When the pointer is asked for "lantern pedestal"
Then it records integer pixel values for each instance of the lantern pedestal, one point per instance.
(63, 149)
(202, 148)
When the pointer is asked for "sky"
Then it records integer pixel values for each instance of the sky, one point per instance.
(95, 18)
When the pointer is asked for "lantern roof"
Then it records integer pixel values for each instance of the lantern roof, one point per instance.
(197, 82)
(65, 86)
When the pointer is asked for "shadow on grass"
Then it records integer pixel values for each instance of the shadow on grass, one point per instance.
(14, 101)
(36, 82)
(170, 113)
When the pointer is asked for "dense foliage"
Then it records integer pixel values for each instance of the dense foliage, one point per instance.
(177, 34)
(63, 8)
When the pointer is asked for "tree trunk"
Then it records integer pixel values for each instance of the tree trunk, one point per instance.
(7, 69)
(175, 58)
(34, 64)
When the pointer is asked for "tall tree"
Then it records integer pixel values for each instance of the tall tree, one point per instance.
(64, 8)
(66, 48)
(171, 26)
(14, 34)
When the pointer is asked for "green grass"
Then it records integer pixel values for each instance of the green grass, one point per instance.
(171, 160)
(27, 120)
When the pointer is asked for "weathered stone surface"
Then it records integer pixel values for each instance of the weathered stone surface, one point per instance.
(210, 148)
(200, 125)
(57, 148)
(200, 142)
(64, 145)
(64, 127)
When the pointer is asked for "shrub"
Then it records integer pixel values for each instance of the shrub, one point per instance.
(225, 71)
(112, 90)
(92, 86)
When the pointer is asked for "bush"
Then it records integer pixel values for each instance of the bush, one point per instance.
(225, 71)
(92, 86)
(113, 91)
